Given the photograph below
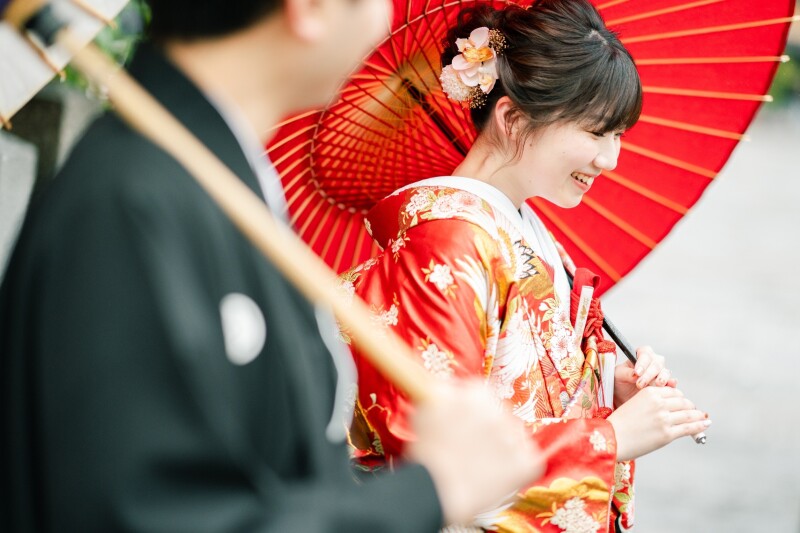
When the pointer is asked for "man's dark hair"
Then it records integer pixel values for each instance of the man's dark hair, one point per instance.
(196, 19)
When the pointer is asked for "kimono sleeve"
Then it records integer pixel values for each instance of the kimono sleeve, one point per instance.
(578, 483)
(430, 288)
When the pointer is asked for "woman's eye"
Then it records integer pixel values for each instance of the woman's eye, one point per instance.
(616, 134)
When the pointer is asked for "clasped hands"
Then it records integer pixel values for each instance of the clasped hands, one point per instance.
(477, 453)
(650, 411)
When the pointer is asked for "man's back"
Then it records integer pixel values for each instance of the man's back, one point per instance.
(164, 363)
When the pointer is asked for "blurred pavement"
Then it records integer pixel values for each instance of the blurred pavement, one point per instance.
(720, 297)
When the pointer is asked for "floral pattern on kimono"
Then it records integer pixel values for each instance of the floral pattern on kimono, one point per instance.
(463, 288)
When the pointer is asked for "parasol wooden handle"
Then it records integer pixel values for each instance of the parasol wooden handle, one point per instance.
(18, 13)
(384, 349)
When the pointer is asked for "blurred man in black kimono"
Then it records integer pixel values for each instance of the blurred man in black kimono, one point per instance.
(156, 372)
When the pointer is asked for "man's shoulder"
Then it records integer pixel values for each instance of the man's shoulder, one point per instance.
(114, 177)
(111, 151)
(114, 165)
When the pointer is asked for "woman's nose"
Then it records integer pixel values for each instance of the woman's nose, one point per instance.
(609, 153)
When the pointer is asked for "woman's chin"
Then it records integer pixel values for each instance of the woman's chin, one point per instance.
(568, 203)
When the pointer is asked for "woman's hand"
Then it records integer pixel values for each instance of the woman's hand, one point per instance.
(650, 369)
(653, 418)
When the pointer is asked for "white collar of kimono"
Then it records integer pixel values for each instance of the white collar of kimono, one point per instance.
(526, 220)
(254, 152)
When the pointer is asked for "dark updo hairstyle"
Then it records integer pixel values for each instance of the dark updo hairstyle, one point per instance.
(560, 64)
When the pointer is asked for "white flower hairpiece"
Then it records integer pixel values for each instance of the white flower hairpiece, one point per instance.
(473, 72)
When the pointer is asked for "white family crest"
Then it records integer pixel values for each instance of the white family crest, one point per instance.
(243, 328)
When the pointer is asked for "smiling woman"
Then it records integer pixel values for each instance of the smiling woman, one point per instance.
(478, 287)
(559, 161)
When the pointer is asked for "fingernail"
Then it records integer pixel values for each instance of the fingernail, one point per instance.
(640, 383)
(706, 423)
(638, 370)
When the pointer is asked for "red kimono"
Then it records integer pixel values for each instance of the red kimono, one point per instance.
(460, 280)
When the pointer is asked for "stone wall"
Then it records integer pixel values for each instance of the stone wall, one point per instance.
(17, 176)
(42, 135)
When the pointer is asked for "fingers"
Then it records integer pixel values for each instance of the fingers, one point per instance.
(650, 367)
(684, 419)
(664, 392)
(678, 403)
(625, 364)
(686, 416)
(624, 373)
(662, 378)
(691, 428)
(644, 355)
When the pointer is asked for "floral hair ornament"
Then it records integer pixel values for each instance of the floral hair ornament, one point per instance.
(473, 72)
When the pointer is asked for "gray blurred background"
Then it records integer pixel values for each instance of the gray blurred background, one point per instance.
(720, 298)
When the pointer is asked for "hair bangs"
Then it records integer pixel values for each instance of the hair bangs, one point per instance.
(616, 101)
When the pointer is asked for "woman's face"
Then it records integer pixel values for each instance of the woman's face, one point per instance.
(560, 162)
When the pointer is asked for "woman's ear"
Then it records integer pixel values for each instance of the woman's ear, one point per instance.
(505, 126)
(503, 118)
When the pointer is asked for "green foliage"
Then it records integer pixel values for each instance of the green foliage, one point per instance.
(786, 86)
(119, 43)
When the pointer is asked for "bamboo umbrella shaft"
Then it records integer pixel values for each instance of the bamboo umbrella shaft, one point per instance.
(17, 13)
(248, 212)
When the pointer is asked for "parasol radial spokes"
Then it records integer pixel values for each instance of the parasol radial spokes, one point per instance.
(27, 64)
(705, 66)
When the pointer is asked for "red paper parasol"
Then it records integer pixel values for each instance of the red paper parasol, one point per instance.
(705, 67)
